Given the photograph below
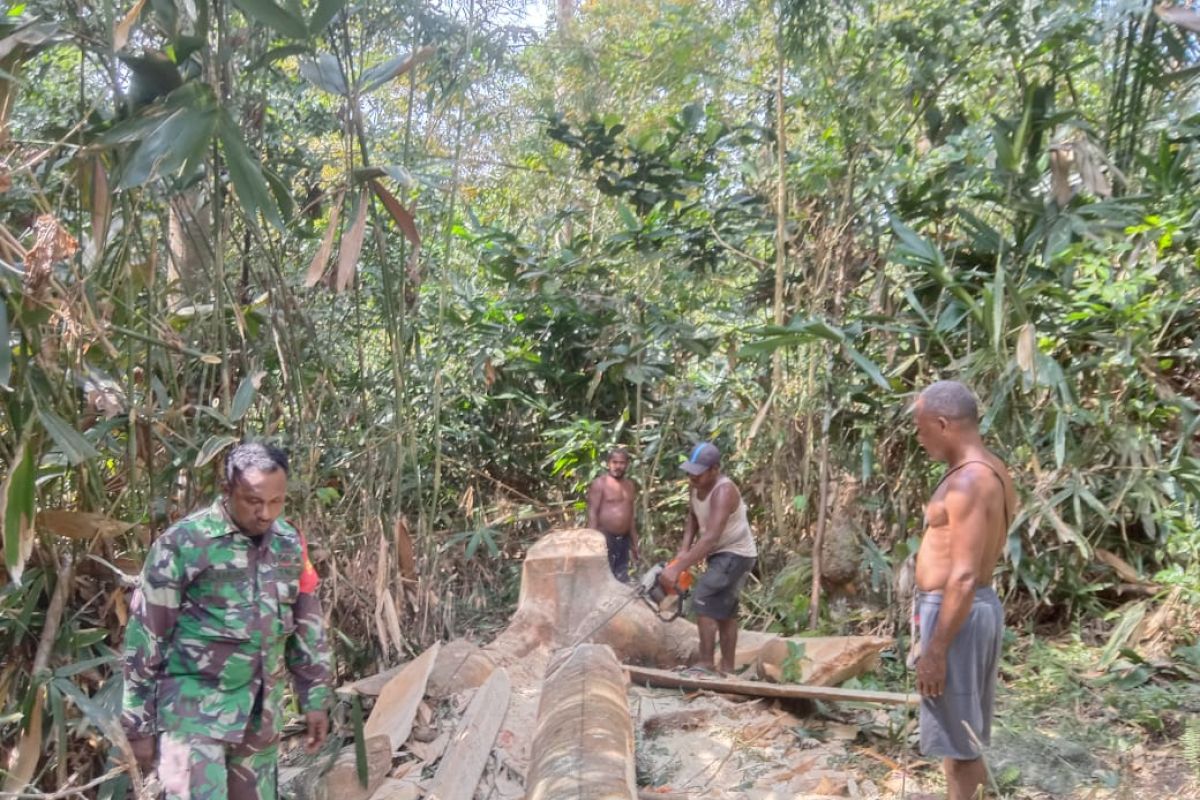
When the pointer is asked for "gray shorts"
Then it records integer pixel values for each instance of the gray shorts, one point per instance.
(969, 697)
(717, 590)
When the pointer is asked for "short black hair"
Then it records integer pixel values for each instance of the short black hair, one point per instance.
(952, 400)
(254, 455)
(617, 451)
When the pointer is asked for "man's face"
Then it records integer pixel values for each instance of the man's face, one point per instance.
(255, 500)
(618, 465)
(704, 481)
(931, 431)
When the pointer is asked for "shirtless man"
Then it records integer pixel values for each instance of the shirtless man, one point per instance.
(610, 511)
(960, 620)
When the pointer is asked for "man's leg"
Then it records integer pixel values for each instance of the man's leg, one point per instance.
(728, 629)
(708, 641)
(253, 773)
(192, 768)
(618, 555)
(964, 778)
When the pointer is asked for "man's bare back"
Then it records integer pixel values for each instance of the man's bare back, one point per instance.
(982, 487)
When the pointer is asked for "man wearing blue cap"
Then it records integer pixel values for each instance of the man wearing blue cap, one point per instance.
(716, 512)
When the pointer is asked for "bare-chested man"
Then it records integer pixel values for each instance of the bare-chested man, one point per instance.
(959, 616)
(610, 511)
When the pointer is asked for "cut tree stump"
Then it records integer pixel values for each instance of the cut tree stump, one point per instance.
(463, 762)
(666, 679)
(584, 747)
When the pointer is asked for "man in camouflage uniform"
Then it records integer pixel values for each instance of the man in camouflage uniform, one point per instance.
(226, 607)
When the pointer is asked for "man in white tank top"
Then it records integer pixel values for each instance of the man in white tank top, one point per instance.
(716, 531)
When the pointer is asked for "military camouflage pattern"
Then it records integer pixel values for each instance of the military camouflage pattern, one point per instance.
(198, 768)
(215, 626)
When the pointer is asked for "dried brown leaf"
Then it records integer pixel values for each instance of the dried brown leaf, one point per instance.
(399, 213)
(83, 525)
(351, 246)
(404, 550)
(24, 759)
(1026, 347)
(1124, 569)
(1060, 174)
(101, 203)
(321, 260)
(123, 28)
(1182, 16)
(52, 243)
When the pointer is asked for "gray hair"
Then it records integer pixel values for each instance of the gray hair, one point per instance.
(950, 399)
(254, 455)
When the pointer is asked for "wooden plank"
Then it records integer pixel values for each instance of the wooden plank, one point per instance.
(371, 685)
(396, 707)
(673, 680)
(461, 766)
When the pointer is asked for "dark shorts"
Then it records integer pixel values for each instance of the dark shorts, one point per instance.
(971, 665)
(717, 590)
(618, 554)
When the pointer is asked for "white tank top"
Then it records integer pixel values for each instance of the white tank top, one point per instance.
(737, 537)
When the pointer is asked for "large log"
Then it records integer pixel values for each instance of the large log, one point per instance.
(583, 747)
(569, 595)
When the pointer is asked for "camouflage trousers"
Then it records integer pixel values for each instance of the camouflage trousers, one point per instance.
(198, 768)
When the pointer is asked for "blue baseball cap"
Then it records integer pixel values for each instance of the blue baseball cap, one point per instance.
(704, 457)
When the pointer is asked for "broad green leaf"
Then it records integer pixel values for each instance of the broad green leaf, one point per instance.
(174, 149)
(283, 195)
(275, 17)
(868, 366)
(244, 397)
(380, 74)
(246, 173)
(17, 504)
(325, 73)
(326, 11)
(213, 447)
(5, 347)
(76, 448)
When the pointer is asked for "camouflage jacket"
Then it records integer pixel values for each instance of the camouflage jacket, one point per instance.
(217, 621)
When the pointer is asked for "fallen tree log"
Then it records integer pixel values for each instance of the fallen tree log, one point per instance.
(583, 746)
(569, 595)
(666, 679)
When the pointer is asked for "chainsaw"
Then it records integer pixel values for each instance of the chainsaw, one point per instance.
(657, 595)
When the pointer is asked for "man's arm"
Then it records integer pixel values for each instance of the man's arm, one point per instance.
(155, 610)
(967, 528)
(633, 530)
(595, 497)
(310, 663)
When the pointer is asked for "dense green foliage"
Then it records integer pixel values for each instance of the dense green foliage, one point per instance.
(448, 259)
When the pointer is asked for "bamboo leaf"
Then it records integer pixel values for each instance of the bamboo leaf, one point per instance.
(380, 74)
(5, 348)
(868, 366)
(173, 148)
(324, 14)
(16, 505)
(76, 448)
(213, 447)
(399, 213)
(321, 260)
(279, 19)
(244, 397)
(325, 73)
(246, 173)
(352, 245)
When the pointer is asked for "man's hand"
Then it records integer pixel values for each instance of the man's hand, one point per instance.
(931, 674)
(670, 576)
(318, 729)
(144, 750)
